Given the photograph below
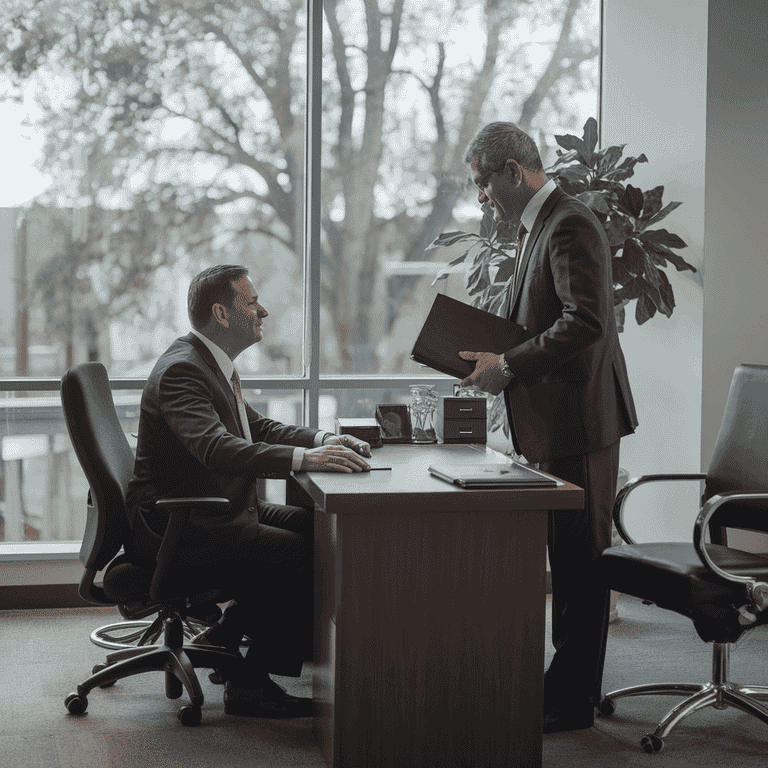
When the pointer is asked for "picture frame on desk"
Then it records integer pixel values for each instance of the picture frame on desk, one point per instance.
(394, 420)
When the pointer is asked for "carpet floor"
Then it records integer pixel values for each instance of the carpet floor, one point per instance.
(133, 725)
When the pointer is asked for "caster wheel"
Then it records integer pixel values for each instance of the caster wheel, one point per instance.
(216, 678)
(651, 743)
(76, 704)
(98, 668)
(606, 707)
(189, 715)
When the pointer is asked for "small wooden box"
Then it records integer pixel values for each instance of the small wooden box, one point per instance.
(465, 420)
(364, 429)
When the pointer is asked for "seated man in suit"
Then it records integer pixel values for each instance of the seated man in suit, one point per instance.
(198, 437)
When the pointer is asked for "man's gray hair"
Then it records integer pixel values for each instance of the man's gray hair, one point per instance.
(498, 142)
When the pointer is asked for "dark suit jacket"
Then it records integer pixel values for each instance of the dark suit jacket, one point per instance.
(191, 444)
(571, 392)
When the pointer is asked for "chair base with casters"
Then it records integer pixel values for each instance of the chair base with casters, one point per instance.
(669, 575)
(720, 693)
(172, 656)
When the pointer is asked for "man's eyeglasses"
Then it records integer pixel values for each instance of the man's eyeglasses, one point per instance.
(482, 181)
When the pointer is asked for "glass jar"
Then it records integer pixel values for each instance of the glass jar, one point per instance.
(423, 407)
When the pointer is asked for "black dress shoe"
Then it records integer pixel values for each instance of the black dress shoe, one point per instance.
(268, 700)
(557, 720)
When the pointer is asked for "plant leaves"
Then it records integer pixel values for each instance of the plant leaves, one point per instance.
(608, 159)
(645, 309)
(563, 158)
(663, 237)
(595, 201)
(632, 201)
(667, 305)
(506, 270)
(652, 201)
(618, 229)
(633, 256)
(575, 143)
(487, 225)
(626, 169)
(590, 138)
(451, 238)
(664, 253)
(662, 214)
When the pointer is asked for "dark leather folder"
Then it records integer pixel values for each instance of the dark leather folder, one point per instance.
(452, 327)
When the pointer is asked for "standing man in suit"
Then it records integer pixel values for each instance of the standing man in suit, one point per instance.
(567, 394)
(198, 437)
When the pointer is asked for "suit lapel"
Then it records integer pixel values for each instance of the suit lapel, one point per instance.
(531, 243)
(216, 373)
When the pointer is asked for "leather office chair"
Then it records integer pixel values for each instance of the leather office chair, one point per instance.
(724, 591)
(136, 589)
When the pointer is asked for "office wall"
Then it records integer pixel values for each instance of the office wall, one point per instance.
(654, 101)
(736, 231)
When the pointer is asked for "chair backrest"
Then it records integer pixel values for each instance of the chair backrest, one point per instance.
(105, 456)
(740, 457)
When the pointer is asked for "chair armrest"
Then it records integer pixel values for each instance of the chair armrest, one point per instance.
(178, 514)
(621, 496)
(757, 591)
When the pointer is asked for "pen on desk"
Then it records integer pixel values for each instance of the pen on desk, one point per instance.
(374, 469)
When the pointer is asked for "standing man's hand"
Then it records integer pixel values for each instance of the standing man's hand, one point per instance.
(487, 375)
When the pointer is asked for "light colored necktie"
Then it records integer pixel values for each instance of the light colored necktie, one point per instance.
(240, 405)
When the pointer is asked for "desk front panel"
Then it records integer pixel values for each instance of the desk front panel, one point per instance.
(429, 641)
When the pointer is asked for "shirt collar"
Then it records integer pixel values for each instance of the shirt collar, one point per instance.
(528, 219)
(219, 355)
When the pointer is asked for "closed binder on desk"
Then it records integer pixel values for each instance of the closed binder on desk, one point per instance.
(511, 475)
(452, 327)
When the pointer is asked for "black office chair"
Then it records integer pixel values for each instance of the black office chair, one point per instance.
(137, 589)
(724, 591)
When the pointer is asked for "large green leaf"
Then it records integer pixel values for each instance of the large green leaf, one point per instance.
(626, 169)
(662, 214)
(575, 143)
(633, 256)
(652, 201)
(665, 253)
(590, 138)
(667, 305)
(645, 309)
(451, 238)
(506, 270)
(663, 237)
(608, 159)
(618, 229)
(632, 201)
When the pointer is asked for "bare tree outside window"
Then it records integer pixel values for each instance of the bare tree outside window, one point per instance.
(174, 133)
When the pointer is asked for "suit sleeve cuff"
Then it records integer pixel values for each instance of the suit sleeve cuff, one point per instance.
(298, 458)
(320, 438)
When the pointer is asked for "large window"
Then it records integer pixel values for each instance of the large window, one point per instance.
(155, 139)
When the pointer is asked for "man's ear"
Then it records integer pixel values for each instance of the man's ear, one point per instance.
(515, 171)
(220, 314)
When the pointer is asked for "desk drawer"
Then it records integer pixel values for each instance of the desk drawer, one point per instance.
(464, 408)
(464, 431)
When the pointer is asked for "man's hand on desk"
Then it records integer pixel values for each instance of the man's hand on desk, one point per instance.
(355, 443)
(487, 375)
(334, 457)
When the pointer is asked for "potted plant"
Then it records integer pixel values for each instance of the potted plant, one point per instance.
(639, 254)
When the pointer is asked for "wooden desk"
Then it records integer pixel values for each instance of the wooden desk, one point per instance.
(429, 614)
